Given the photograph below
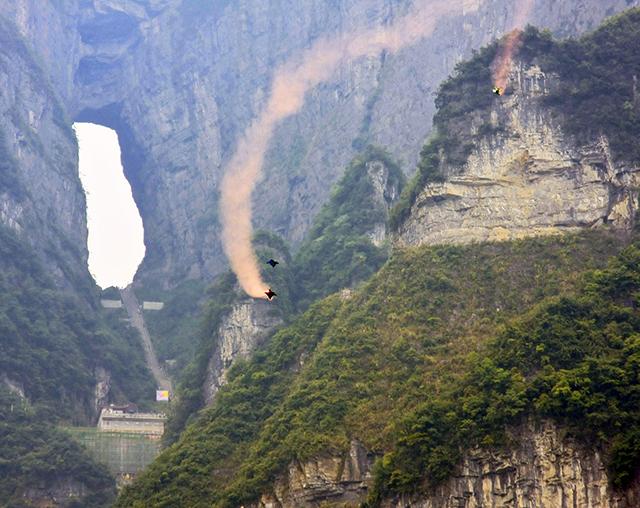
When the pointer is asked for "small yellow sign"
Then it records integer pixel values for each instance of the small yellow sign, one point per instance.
(162, 395)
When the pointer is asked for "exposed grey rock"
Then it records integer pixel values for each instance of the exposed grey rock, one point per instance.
(542, 466)
(102, 389)
(530, 180)
(328, 479)
(15, 387)
(44, 203)
(180, 82)
(238, 335)
(385, 195)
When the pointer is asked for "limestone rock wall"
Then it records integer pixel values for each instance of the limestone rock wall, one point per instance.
(101, 389)
(340, 480)
(531, 181)
(181, 79)
(385, 195)
(542, 467)
(41, 197)
(238, 336)
(222, 64)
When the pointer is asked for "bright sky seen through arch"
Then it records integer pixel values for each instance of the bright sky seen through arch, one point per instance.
(116, 236)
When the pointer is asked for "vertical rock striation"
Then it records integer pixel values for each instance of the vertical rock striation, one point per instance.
(528, 179)
(180, 80)
(540, 466)
(238, 335)
(41, 198)
(331, 479)
(385, 195)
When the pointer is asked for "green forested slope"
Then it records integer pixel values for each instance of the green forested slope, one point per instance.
(51, 342)
(50, 345)
(572, 358)
(368, 361)
(34, 456)
(444, 346)
(336, 254)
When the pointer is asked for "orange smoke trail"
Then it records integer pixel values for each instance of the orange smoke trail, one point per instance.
(502, 63)
(291, 82)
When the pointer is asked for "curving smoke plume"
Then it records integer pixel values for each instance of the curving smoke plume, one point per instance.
(291, 82)
(502, 63)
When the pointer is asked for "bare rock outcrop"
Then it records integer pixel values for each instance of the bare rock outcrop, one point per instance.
(180, 81)
(541, 466)
(102, 388)
(339, 480)
(238, 335)
(385, 195)
(529, 180)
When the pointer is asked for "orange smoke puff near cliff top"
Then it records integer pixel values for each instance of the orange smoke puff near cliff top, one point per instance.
(504, 57)
(291, 82)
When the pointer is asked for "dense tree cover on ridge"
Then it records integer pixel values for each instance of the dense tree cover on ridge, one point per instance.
(597, 94)
(50, 342)
(336, 254)
(572, 358)
(383, 366)
(34, 455)
(366, 361)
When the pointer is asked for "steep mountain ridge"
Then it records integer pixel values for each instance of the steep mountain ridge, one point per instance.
(42, 199)
(352, 365)
(55, 342)
(427, 367)
(57, 348)
(531, 181)
(179, 81)
(339, 253)
(61, 360)
(556, 153)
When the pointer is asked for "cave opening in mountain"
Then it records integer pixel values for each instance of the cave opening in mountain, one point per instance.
(116, 234)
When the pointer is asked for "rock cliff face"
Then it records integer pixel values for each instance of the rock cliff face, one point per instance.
(40, 194)
(238, 335)
(102, 388)
(530, 179)
(541, 466)
(385, 195)
(180, 80)
(341, 480)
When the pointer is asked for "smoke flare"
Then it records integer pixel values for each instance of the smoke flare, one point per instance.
(291, 82)
(502, 63)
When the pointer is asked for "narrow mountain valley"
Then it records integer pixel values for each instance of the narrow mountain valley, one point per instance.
(456, 320)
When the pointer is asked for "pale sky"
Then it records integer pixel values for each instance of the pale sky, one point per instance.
(116, 245)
